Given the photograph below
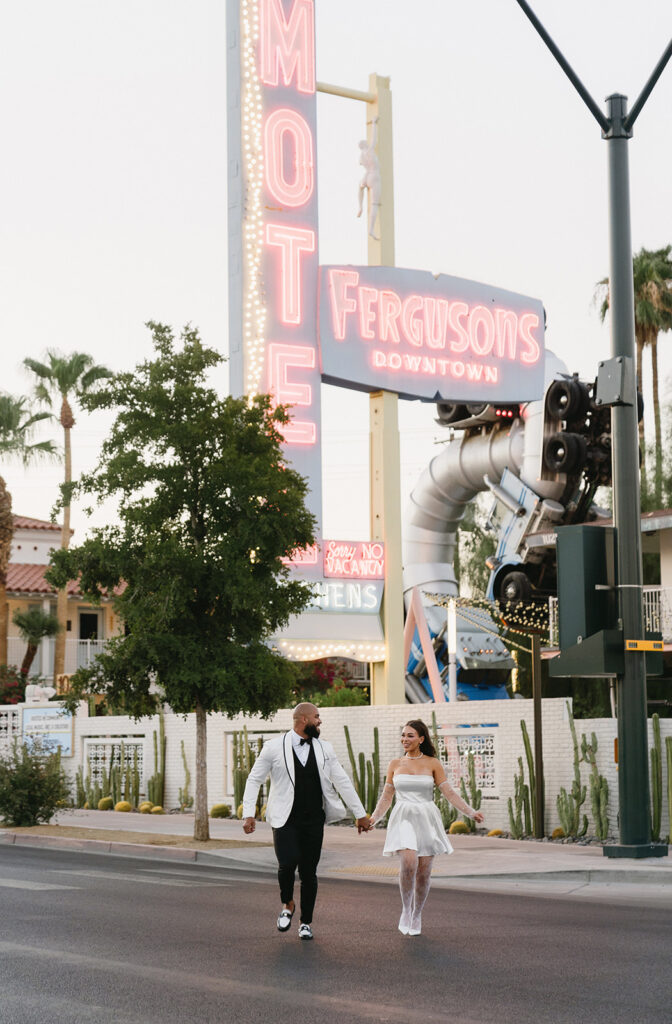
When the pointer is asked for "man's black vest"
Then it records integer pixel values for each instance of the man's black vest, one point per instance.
(307, 788)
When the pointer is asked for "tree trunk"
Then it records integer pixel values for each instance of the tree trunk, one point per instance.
(658, 480)
(62, 599)
(201, 819)
(6, 534)
(642, 441)
(28, 659)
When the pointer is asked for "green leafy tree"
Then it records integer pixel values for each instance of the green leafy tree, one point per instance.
(34, 624)
(208, 510)
(652, 279)
(65, 379)
(17, 427)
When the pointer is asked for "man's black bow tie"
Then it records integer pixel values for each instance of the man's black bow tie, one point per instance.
(308, 740)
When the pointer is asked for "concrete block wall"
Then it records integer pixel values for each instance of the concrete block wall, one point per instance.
(502, 718)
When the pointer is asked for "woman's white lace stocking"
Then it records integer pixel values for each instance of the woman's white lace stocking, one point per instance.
(423, 880)
(408, 867)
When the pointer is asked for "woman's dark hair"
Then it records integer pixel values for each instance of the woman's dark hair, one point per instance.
(426, 745)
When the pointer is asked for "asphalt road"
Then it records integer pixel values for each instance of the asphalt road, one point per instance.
(89, 939)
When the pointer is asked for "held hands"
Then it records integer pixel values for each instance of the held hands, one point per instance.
(249, 825)
(364, 824)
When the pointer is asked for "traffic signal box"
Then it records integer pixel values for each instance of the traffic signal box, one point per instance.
(591, 642)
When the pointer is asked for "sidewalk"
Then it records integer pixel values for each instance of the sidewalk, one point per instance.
(478, 862)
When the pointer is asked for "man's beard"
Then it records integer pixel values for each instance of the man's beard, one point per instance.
(312, 731)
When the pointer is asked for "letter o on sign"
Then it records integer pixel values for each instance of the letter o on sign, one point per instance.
(284, 129)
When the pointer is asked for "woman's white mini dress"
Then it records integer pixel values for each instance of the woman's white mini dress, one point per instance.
(415, 822)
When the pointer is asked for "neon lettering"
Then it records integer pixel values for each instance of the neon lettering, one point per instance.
(436, 321)
(341, 303)
(410, 323)
(287, 44)
(506, 324)
(292, 242)
(367, 298)
(280, 358)
(481, 322)
(528, 323)
(457, 312)
(288, 126)
(389, 306)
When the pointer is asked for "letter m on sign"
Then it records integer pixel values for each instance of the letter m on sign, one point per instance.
(288, 44)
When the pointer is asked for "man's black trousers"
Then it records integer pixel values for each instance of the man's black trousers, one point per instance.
(299, 844)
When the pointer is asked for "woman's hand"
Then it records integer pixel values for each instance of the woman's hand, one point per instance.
(479, 817)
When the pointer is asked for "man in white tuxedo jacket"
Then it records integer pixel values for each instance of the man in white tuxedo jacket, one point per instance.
(305, 775)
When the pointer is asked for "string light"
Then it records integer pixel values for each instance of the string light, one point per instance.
(306, 651)
(254, 310)
(528, 618)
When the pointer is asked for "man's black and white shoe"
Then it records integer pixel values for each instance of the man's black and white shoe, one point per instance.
(305, 931)
(285, 919)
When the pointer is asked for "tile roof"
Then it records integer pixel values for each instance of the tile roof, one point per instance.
(26, 523)
(29, 579)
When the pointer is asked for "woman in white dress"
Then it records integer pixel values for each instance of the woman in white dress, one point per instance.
(415, 830)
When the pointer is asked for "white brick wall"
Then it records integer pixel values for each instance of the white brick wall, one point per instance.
(501, 717)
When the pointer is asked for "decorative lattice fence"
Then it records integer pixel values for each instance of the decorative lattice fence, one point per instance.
(455, 745)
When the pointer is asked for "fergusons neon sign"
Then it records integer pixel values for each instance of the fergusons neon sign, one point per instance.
(428, 337)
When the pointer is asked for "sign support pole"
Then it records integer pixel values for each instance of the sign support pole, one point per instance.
(387, 678)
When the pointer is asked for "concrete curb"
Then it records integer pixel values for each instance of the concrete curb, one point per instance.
(178, 854)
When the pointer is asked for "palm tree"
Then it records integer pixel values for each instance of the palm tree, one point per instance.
(65, 378)
(652, 280)
(17, 424)
(34, 624)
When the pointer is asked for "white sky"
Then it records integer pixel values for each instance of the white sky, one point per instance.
(113, 181)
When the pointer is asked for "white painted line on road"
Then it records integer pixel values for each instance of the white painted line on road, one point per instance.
(19, 883)
(119, 876)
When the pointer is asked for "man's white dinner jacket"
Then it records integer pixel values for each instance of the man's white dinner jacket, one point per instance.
(277, 760)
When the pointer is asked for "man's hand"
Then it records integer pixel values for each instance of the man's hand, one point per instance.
(249, 825)
(364, 824)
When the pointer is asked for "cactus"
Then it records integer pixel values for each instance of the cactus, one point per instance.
(366, 777)
(599, 789)
(656, 754)
(475, 794)
(155, 785)
(244, 756)
(521, 794)
(446, 810)
(531, 774)
(80, 788)
(569, 804)
(185, 799)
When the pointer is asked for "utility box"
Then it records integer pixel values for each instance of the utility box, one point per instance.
(586, 559)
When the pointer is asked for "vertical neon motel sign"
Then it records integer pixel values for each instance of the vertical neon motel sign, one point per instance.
(273, 260)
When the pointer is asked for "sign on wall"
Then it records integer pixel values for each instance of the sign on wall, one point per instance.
(434, 338)
(53, 726)
(273, 265)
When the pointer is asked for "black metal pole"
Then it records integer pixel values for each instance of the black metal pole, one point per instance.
(538, 749)
(633, 754)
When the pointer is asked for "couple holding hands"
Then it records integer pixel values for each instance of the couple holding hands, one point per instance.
(305, 777)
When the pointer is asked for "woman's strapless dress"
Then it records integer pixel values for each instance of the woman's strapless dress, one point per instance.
(415, 822)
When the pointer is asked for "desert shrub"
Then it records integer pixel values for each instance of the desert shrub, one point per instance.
(32, 784)
(105, 803)
(157, 810)
(558, 833)
(122, 805)
(458, 828)
(220, 811)
(145, 807)
(494, 832)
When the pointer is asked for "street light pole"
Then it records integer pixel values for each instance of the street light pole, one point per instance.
(633, 774)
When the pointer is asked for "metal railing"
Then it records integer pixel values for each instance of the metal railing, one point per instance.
(78, 654)
(657, 613)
